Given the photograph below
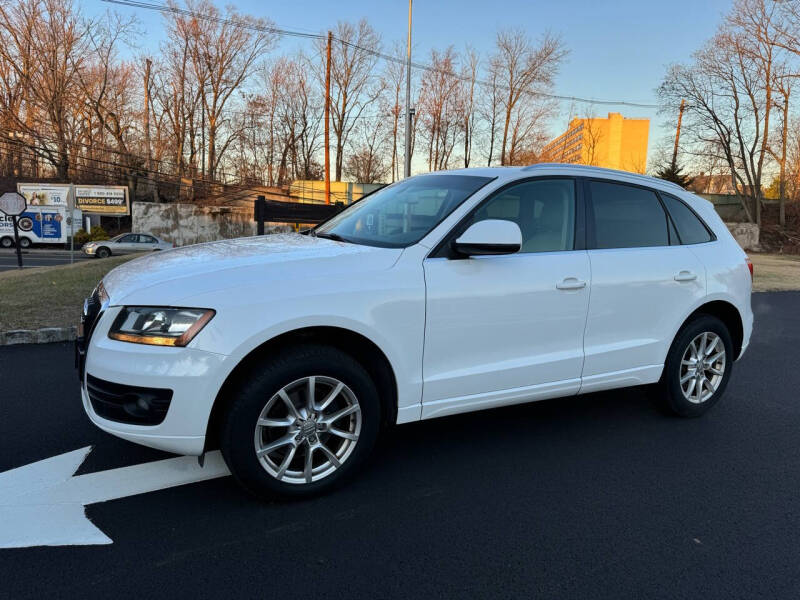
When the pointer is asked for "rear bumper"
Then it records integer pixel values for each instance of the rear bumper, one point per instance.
(194, 376)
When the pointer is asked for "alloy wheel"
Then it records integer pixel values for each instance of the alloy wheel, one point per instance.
(702, 367)
(308, 429)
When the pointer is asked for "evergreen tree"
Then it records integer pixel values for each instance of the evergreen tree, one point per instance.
(675, 174)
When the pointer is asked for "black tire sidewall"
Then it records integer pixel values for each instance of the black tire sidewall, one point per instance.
(249, 398)
(103, 252)
(6, 242)
(24, 243)
(670, 383)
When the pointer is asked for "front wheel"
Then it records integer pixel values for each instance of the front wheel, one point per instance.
(698, 367)
(24, 243)
(102, 252)
(301, 423)
(6, 242)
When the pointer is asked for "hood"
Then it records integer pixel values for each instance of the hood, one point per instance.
(169, 276)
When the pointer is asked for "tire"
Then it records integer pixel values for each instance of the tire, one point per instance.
(258, 416)
(102, 252)
(24, 243)
(6, 242)
(688, 399)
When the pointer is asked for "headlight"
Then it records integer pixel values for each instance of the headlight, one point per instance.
(159, 326)
(102, 294)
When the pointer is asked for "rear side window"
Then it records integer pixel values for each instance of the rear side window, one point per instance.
(690, 228)
(627, 217)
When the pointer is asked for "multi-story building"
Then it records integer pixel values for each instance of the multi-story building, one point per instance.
(615, 142)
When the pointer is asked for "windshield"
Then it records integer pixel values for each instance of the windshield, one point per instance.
(117, 237)
(403, 213)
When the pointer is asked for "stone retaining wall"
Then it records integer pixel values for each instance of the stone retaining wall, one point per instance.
(184, 224)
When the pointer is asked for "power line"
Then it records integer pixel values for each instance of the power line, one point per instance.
(387, 57)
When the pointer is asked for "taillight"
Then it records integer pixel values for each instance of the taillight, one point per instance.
(749, 265)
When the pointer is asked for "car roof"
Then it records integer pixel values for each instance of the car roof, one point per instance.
(512, 173)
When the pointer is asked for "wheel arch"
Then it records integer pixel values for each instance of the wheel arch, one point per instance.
(728, 314)
(360, 347)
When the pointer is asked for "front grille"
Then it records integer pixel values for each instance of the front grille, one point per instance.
(89, 318)
(127, 403)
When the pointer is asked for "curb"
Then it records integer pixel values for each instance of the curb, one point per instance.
(45, 335)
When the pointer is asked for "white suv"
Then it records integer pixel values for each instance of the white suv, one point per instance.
(443, 293)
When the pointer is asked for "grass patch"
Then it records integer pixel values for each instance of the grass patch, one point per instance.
(50, 296)
(775, 272)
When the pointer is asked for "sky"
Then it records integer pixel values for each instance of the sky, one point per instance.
(619, 50)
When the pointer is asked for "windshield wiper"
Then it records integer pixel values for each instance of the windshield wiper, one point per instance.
(333, 236)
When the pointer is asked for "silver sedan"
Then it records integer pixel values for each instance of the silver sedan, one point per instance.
(126, 243)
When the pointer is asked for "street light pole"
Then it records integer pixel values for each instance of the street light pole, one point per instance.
(408, 97)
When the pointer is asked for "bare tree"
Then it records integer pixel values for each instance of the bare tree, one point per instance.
(394, 82)
(224, 51)
(524, 71)
(43, 44)
(728, 87)
(366, 162)
(354, 85)
(439, 108)
(468, 101)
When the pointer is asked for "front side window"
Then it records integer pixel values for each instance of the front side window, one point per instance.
(690, 229)
(544, 209)
(627, 217)
(129, 239)
(403, 213)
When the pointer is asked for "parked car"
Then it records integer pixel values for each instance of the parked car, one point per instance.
(126, 243)
(441, 294)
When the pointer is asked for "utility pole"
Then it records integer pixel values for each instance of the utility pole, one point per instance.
(150, 175)
(327, 121)
(678, 132)
(203, 135)
(407, 170)
(784, 135)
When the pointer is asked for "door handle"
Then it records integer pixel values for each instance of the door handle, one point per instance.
(571, 283)
(685, 276)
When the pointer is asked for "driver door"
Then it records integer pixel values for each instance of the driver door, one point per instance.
(507, 329)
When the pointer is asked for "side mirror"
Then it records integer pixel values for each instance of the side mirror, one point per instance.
(491, 236)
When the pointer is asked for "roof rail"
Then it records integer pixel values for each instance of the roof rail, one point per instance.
(590, 169)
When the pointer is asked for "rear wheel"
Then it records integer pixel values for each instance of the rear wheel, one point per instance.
(24, 242)
(697, 368)
(102, 252)
(6, 242)
(301, 424)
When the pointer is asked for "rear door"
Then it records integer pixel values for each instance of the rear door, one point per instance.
(643, 284)
(147, 242)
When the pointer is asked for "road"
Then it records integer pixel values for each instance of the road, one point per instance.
(37, 258)
(598, 496)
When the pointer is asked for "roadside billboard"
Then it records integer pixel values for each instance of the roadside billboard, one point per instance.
(44, 194)
(111, 200)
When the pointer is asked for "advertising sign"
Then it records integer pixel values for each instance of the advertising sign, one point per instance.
(43, 194)
(102, 200)
(39, 224)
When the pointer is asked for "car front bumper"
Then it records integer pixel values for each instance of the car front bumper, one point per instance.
(193, 376)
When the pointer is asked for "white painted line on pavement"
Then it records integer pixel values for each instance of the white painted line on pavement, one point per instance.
(41, 504)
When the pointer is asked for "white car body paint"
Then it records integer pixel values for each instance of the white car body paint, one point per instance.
(460, 335)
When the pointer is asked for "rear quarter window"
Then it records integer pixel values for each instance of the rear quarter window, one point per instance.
(690, 228)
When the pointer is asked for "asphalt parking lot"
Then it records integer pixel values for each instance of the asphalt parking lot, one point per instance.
(37, 258)
(598, 496)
